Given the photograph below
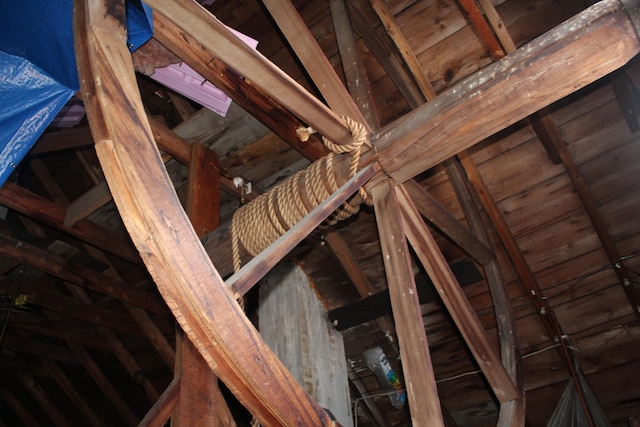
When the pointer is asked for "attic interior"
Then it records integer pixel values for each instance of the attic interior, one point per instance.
(501, 141)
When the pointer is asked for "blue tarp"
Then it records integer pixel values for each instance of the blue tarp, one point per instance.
(38, 69)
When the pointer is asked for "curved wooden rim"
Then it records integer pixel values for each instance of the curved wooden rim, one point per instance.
(162, 232)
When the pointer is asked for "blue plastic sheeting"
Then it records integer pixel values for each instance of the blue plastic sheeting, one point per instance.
(38, 69)
(139, 24)
(30, 100)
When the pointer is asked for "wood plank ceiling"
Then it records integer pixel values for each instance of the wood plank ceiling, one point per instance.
(524, 159)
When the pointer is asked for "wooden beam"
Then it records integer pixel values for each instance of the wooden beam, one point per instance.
(498, 25)
(250, 273)
(63, 140)
(513, 412)
(203, 194)
(533, 290)
(195, 21)
(81, 275)
(200, 399)
(352, 65)
(554, 65)
(386, 55)
(45, 402)
(162, 409)
(256, 102)
(419, 379)
(394, 31)
(65, 384)
(482, 28)
(21, 412)
(125, 413)
(86, 204)
(158, 225)
(313, 59)
(442, 219)
(64, 330)
(455, 299)
(373, 306)
(130, 364)
(53, 214)
(39, 296)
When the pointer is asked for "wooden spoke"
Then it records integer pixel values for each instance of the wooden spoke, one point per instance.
(424, 403)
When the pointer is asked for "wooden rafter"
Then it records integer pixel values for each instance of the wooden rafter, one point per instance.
(81, 275)
(352, 66)
(53, 214)
(313, 59)
(513, 412)
(65, 384)
(161, 410)
(43, 399)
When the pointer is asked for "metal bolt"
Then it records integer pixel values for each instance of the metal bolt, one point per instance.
(18, 244)
(556, 340)
(335, 323)
(618, 265)
(626, 282)
(543, 311)
(533, 292)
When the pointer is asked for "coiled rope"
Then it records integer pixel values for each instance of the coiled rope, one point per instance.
(259, 223)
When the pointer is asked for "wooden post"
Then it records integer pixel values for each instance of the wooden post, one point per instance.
(200, 402)
(295, 326)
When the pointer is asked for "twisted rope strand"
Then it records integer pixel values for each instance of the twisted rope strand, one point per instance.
(258, 224)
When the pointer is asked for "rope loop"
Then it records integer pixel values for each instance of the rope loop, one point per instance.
(259, 223)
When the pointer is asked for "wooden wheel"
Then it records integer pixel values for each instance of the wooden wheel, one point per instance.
(193, 288)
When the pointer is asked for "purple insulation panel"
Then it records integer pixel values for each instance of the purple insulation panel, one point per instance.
(187, 82)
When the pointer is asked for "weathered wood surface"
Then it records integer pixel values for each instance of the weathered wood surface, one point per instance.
(422, 394)
(160, 412)
(313, 58)
(513, 412)
(163, 233)
(294, 324)
(53, 214)
(352, 66)
(245, 61)
(455, 300)
(537, 75)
